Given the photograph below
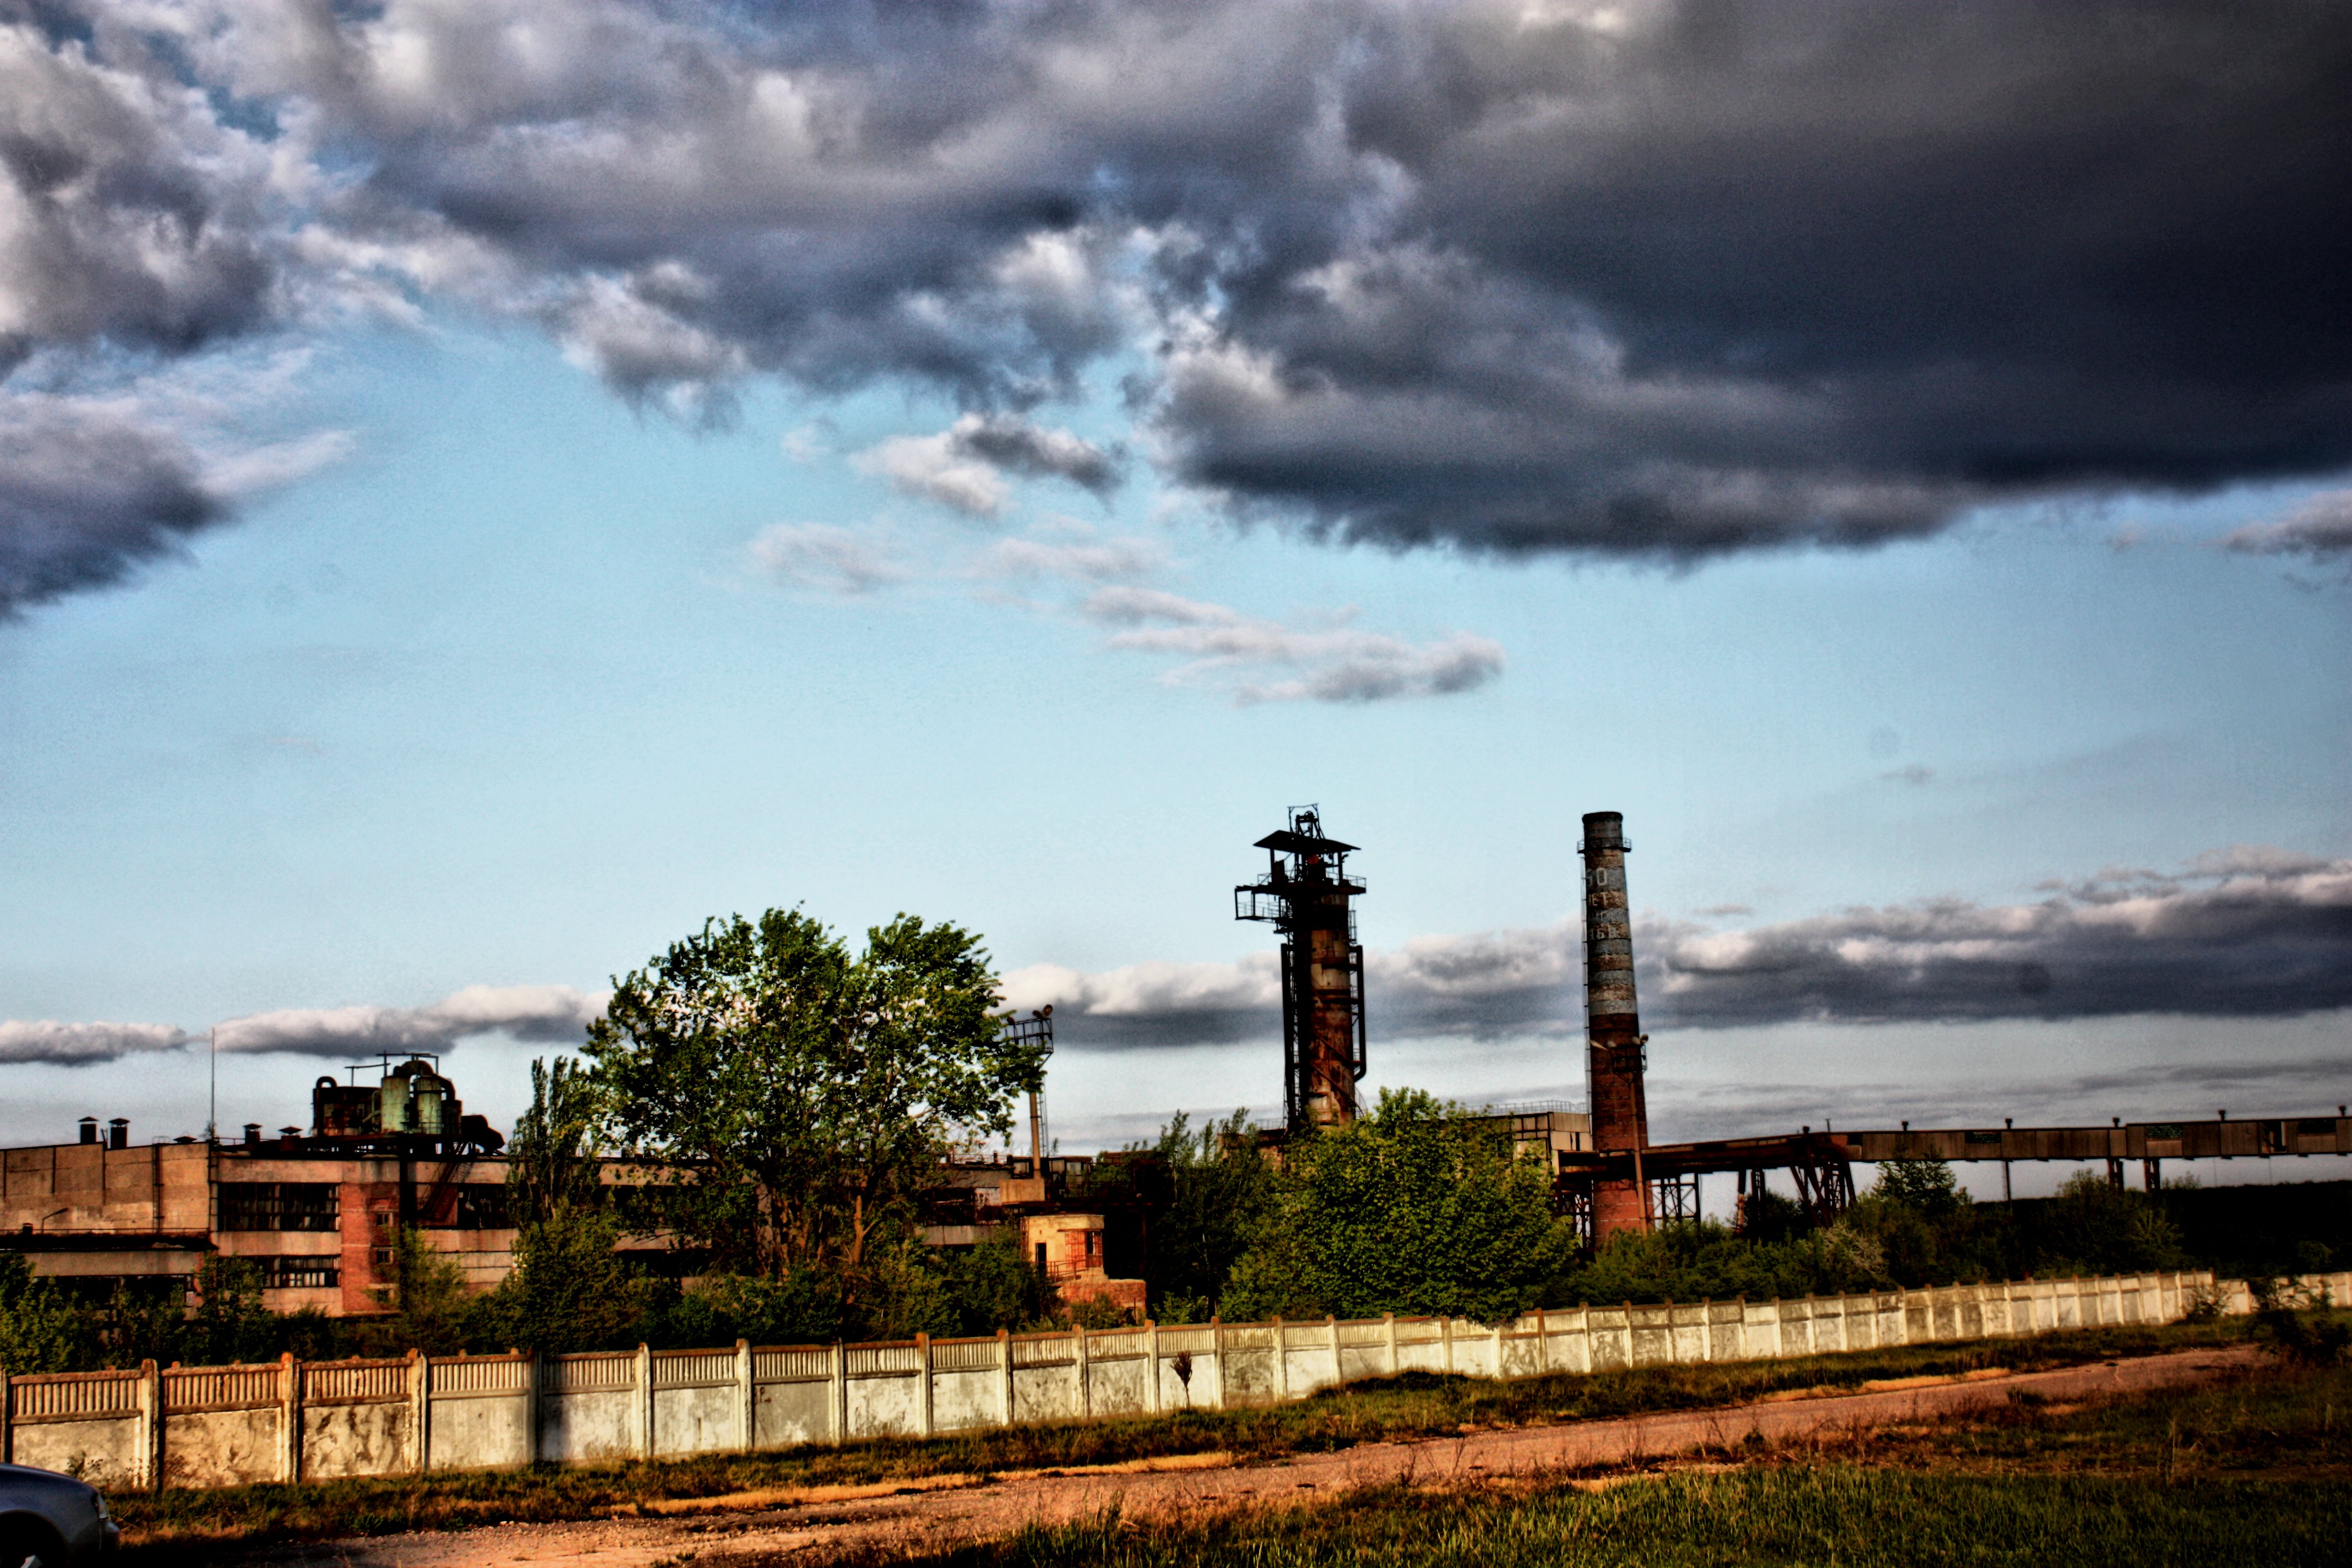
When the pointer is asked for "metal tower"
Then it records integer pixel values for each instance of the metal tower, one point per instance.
(1306, 892)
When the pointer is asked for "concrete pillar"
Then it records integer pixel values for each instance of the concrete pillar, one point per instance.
(1004, 1374)
(290, 1418)
(151, 1426)
(747, 1397)
(923, 1385)
(1338, 1368)
(1281, 1362)
(1447, 1326)
(420, 1411)
(1217, 1349)
(534, 1406)
(1086, 1401)
(642, 1386)
(1151, 1365)
(837, 1407)
(8, 1419)
(1387, 1335)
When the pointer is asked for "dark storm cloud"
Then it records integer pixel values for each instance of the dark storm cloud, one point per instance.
(87, 493)
(1663, 279)
(2242, 932)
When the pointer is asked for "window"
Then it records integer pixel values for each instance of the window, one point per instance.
(482, 1206)
(280, 1205)
(318, 1273)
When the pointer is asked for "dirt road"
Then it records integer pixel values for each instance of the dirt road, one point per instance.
(811, 1525)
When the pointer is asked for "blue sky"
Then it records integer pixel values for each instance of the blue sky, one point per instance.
(497, 664)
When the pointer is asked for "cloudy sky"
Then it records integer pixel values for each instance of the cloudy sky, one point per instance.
(486, 484)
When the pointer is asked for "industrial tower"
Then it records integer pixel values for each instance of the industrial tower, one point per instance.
(1306, 892)
(1616, 1052)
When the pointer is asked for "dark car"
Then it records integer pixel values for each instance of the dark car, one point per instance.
(50, 1520)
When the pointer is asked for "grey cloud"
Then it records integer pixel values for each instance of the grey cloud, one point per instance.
(553, 1014)
(80, 1044)
(1333, 664)
(129, 214)
(816, 556)
(2320, 529)
(1012, 442)
(1660, 280)
(88, 492)
(1081, 560)
(2244, 933)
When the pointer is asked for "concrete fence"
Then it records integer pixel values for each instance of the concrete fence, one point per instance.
(290, 1420)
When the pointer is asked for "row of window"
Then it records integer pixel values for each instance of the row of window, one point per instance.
(317, 1206)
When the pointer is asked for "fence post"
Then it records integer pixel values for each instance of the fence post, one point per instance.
(837, 1377)
(420, 1409)
(1151, 1365)
(1388, 1325)
(151, 1426)
(1281, 1360)
(923, 1390)
(290, 1418)
(1086, 1374)
(534, 1404)
(1005, 1372)
(1498, 1350)
(1217, 1349)
(747, 1396)
(642, 1379)
(1339, 1371)
(1445, 1328)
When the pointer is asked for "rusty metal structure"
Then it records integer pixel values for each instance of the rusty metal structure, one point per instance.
(1307, 893)
(1616, 1052)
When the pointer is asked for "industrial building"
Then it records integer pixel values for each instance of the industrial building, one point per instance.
(317, 1211)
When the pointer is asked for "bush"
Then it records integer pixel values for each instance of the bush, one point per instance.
(1416, 1208)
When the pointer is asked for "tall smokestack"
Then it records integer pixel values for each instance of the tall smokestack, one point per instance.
(1614, 1053)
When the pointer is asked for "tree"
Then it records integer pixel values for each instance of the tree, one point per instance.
(1923, 1182)
(552, 1162)
(569, 1289)
(1417, 1208)
(41, 1331)
(791, 1099)
(230, 1324)
(1219, 1184)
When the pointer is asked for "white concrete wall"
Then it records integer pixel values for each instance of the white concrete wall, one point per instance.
(207, 1426)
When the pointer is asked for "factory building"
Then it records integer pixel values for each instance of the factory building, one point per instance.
(318, 1212)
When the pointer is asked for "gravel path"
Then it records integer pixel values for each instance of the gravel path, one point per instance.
(810, 1525)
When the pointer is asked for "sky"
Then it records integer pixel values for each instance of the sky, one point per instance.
(487, 487)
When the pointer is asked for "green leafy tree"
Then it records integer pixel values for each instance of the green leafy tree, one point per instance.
(229, 1323)
(1704, 1261)
(794, 1098)
(571, 1289)
(1925, 1183)
(551, 1161)
(40, 1329)
(2092, 1226)
(1219, 1187)
(431, 1307)
(1416, 1208)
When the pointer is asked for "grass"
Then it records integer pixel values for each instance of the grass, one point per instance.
(2254, 1470)
(174, 1524)
(1849, 1515)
